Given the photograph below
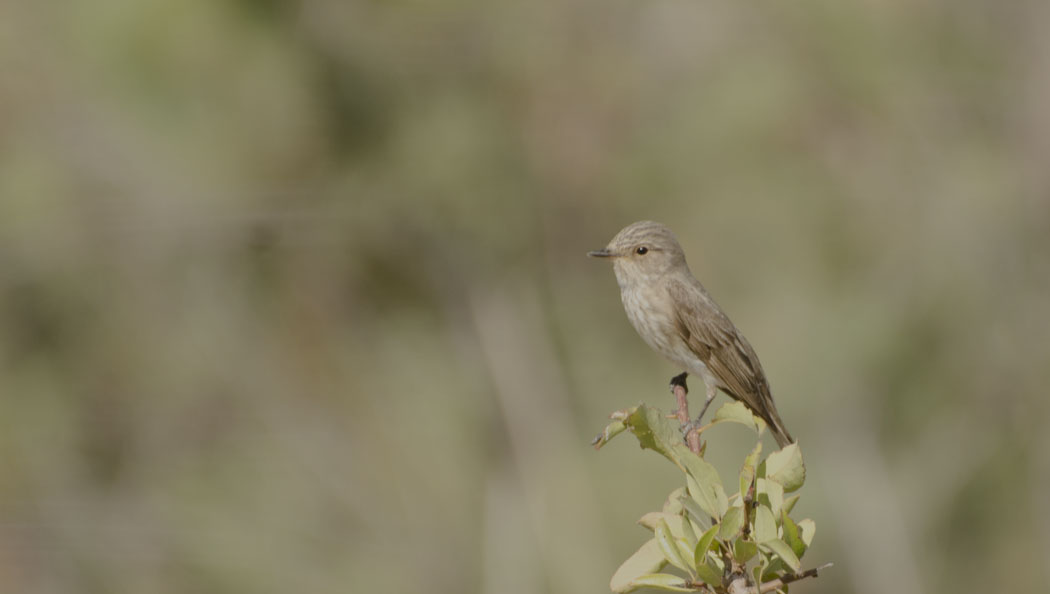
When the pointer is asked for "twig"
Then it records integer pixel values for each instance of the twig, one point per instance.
(749, 505)
(780, 582)
(771, 585)
(680, 390)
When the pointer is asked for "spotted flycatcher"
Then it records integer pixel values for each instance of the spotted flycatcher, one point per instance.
(673, 312)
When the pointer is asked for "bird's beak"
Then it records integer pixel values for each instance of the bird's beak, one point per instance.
(602, 253)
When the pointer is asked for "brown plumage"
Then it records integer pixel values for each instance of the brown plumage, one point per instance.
(676, 316)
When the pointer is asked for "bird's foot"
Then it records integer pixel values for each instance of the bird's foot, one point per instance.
(689, 427)
(696, 423)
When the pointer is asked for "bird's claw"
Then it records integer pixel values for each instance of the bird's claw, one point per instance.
(689, 427)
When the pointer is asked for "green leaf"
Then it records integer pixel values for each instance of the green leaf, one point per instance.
(770, 493)
(650, 519)
(786, 467)
(675, 522)
(654, 430)
(761, 425)
(783, 551)
(686, 551)
(697, 528)
(696, 466)
(789, 503)
(775, 566)
(705, 496)
(708, 573)
(704, 545)
(660, 581)
(744, 550)
(673, 505)
(760, 568)
(747, 473)
(669, 548)
(720, 497)
(807, 529)
(735, 412)
(731, 523)
(687, 530)
(716, 562)
(699, 516)
(646, 560)
(791, 534)
(611, 430)
(765, 524)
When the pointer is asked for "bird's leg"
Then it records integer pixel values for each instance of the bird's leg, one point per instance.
(712, 390)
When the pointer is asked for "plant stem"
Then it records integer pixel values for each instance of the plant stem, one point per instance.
(680, 390)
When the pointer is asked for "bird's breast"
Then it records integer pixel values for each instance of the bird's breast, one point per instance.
(652, 314)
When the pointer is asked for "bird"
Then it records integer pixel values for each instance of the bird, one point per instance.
(677, 317)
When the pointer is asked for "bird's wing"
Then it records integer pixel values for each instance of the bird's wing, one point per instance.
(714, 338)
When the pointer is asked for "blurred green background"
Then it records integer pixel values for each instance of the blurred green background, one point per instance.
(293, 295)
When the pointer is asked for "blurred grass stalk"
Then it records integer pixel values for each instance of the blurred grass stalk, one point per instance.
(543, 486)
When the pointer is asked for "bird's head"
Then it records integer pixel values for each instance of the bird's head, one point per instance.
(643, 252)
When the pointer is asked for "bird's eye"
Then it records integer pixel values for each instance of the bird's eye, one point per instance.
(642, 251)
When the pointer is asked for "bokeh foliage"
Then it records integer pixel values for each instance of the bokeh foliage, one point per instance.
(293, 294)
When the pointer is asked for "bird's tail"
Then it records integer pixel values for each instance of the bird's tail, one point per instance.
(776, 426)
